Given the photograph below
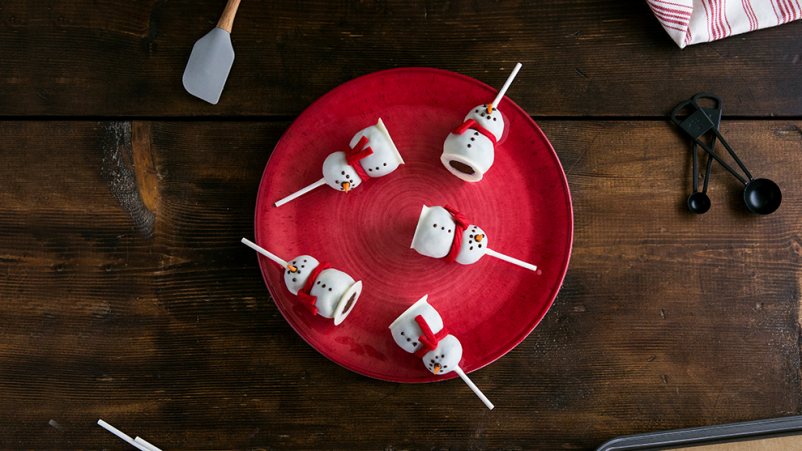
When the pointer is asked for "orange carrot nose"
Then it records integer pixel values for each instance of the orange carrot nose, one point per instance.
(489, 108)
(292, 268)
(479, 238)
(436, 368)
(346, 186)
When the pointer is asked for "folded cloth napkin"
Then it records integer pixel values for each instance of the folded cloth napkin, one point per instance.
(693, 21)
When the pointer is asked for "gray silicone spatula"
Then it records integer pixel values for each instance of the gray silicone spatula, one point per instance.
(211, 59)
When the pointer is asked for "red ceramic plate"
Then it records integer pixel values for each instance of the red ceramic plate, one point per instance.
(522, 203)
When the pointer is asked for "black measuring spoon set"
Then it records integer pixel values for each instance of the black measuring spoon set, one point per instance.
(761, 196)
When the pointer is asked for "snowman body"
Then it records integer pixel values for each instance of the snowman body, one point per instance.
(469, 152)
(405, 329)
(335, 292)
(434, 236)
(385, 157)
(445, 357)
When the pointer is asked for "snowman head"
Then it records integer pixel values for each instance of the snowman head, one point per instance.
(385, 157)
(295, 280)
(338, 174)
(473, 245)
(434, 232)
(445, 357)
(493, 122)
(406, 331)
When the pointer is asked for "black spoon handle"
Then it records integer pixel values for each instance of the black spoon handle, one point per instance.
(721, 162)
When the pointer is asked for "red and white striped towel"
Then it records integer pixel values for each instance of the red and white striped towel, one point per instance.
(693, 21)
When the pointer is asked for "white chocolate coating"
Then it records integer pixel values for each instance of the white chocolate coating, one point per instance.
(445, 357)
(336, 291)
(385, 158)
(333, 289)
(337, 172)
(296, 280)
(470, 154)
(434, 235)
(493, 122)
(473, 245)
(406, 331)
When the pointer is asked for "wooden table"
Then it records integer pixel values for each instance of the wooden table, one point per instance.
(125, 294)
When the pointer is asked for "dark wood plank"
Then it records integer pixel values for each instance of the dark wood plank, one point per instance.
(581, 58)
(126, 296)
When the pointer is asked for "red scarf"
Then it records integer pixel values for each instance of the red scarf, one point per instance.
(304, 294)
(470, 123)
(429, 340)
(354, 154)
(461, 223)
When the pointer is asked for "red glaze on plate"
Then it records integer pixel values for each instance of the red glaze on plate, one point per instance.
(523, 201)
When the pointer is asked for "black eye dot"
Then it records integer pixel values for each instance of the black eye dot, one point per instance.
(343, 172)
(475, 133)
(347, 176)
(402, 333)
(408, 340)
(293, 262)
(442, 355)
(475, 111)
(304, 260)
(469, 145)
(431, 361)
(329, 289)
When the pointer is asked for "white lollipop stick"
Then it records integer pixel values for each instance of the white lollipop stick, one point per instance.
(474, 388)
(300, 192)
(122, 436)
(512, 260)
(145, 443)
(263, 251)
(506, 86)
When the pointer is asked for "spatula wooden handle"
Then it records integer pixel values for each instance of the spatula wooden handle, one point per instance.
(226, 21)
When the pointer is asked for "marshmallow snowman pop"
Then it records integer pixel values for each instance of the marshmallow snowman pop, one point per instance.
(420, 331)
(443, 232)
(371, 153)
(325, 291)
(469, 150)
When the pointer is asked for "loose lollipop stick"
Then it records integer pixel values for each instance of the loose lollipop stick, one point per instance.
(506, 86)
(270, 255)
(512, 260)
(474, 388)
(146, 444)
(300, 192)
(122, 436)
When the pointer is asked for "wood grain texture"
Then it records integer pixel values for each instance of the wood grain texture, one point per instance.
(665, 319)
(581, 57)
